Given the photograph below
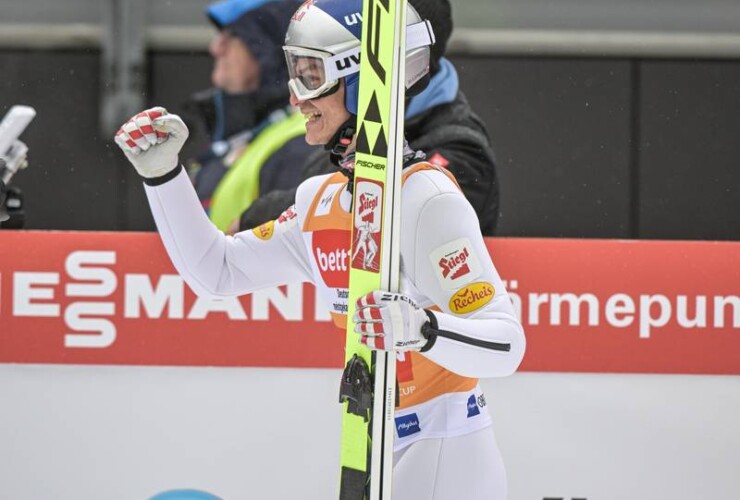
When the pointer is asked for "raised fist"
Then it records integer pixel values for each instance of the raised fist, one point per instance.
(152, 141)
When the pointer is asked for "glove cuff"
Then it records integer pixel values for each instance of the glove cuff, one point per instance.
(428, 329)
(158, 181)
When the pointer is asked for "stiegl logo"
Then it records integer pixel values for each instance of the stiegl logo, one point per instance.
(368, 206)
(368, 225)
(455, 263)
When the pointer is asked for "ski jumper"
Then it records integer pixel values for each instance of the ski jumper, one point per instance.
(445, 265)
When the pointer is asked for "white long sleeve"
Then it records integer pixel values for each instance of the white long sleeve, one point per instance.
(214, 264)
(441, 238)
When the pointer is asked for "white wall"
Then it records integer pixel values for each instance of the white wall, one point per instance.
(84, 432)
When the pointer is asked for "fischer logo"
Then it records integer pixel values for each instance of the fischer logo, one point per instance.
(332, 256)
(370, 164)
(456, 264)
(471, 298)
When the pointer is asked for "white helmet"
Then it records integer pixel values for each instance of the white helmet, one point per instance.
(322, 46)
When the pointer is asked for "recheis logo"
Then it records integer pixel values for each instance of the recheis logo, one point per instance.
(407, 425)
(330, 247)
(456, 264)
(264, 231)
(473, 409)
(368, 225)
(471, 298)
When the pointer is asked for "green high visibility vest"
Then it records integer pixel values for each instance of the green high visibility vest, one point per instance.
(240, 186)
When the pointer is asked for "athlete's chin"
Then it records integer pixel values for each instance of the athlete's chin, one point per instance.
(315, 139)
(311, 141)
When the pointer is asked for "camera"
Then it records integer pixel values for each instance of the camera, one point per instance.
(13, 157)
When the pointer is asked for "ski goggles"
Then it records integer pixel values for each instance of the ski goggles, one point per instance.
(314, 73)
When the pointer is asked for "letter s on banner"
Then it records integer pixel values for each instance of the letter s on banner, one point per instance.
(103, 331)
(77, 267)
(100, 282)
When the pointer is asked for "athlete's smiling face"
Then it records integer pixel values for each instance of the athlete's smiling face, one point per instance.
(324, 115)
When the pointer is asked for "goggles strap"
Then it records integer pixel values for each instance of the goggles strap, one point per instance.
(343, 64)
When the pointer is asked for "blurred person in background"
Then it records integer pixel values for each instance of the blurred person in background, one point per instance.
(256, 138)
(439, 121)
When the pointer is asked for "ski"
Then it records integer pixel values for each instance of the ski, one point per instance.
(369, 379)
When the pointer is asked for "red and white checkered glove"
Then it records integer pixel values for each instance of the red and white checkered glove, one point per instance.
(390, 322)
(152, 141)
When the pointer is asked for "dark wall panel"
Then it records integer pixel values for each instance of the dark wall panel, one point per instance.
(561, 129)
(173, 78)
(561, 133)
(690, 150)
(73, 180)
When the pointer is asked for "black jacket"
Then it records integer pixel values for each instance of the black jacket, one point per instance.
(450, 134)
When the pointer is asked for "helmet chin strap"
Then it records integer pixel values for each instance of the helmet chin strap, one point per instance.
(338, 145)
(342, 138)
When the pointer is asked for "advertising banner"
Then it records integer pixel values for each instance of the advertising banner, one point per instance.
(586, 306)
